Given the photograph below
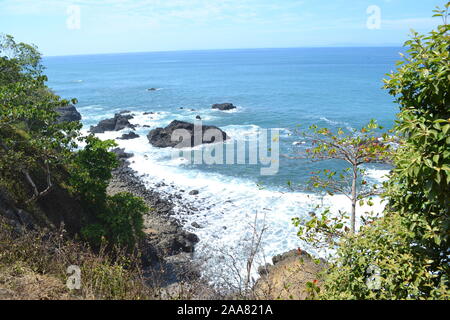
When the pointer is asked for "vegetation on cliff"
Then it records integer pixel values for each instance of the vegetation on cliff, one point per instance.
(50, 184)
(40, 160)
(405, 254)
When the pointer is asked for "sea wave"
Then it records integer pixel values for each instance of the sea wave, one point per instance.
(227, 206)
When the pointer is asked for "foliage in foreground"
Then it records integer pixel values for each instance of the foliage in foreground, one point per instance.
(47, 255)
(355, 149)
(38, 153)
(409, 247)
(380, 263)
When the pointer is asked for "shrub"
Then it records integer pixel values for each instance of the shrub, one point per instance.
(121, 223)
(409, 246)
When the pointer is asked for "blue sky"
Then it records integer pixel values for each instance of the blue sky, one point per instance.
(110, 26)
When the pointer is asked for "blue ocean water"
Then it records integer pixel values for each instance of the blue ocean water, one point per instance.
(273, 88)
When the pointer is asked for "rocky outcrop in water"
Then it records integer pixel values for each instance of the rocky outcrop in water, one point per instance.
(121, 154)
(162, 137)
(129, 136)
(119, 122)
(223, 106)
(68, 114)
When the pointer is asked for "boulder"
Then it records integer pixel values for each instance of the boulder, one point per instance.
(181, 241)
(129, 136)
(194, 192)
(224, 106)
(288, 277)
(119, 122)
(162, 137)
(121, 154)
(196, 225)
(68, 114)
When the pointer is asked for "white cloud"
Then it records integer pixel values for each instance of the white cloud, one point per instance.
(412, 23)
(160, 10)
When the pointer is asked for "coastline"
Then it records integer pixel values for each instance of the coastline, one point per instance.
(167, 248)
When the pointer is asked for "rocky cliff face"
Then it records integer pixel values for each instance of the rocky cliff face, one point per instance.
(57, 209)
(287, 278)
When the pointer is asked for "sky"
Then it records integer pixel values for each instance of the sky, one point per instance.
(72, 27)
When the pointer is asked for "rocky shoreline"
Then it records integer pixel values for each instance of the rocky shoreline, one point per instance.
(167, 249)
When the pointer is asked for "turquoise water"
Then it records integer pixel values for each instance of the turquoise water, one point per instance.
(273, 88)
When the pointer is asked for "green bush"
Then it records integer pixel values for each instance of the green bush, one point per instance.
(121, 223)
(91, 171)
(410, 245)
(386, 246)
(116, 220)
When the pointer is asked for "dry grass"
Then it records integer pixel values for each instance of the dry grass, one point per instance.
(33, 265)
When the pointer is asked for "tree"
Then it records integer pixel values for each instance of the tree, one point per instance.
(90, 171)
(117, 219)
(38, 153)
(24, 55)
(353, 148)
(410, 244)
(31, 140)
(419, 190)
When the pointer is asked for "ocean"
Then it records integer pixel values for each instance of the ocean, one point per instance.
(272, 88)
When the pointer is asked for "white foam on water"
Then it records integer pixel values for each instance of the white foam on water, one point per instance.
(337, 123)
(226, 206)
(242, 132)
(378, 175)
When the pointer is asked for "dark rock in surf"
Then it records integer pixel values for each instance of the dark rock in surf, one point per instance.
(162, 137)
(119, 122)
(196, 225)
(129, 136)
(224, 106)
(121, 154)
(68, 114)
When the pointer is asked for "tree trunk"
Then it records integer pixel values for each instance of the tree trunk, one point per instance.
(354, 199)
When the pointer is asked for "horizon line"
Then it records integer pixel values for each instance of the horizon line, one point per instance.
(225, 49)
